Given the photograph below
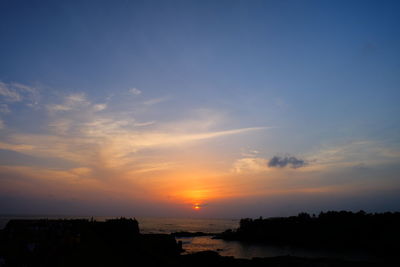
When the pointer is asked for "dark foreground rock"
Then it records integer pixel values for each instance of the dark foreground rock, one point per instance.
(377, 233)
(118, 242)
(114, 242)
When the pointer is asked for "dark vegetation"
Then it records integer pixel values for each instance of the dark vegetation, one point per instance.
(118, 242)
(374, 233)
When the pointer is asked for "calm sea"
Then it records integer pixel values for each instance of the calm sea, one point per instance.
(225, 248)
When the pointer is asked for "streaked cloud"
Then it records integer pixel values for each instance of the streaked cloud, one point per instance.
(143, 124)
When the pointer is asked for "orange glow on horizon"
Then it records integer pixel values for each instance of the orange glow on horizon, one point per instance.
(193, 189)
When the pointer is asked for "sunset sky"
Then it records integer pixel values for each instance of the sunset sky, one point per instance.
(199, 108)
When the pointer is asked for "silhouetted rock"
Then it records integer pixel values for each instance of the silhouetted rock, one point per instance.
(378, 233)
(115, 242)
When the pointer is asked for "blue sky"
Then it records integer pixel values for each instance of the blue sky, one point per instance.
(186, 102)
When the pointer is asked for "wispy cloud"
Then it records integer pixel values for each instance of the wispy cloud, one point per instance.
(367, 152)
(103, 142)
(71, 102)
(208, 135)
(16, 92)
(4, 108)
(8, 93)
(134, 91)
(108, 139)
(155, 101)
(142, 124)
(99, 107)
(250, 165)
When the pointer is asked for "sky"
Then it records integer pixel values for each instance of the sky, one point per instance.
(223, 109)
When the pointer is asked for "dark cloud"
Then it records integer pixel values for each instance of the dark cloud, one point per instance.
(281, 162)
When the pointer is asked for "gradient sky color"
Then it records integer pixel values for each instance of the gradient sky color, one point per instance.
(238, 108)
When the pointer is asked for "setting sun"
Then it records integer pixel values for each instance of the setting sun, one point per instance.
(196, 207)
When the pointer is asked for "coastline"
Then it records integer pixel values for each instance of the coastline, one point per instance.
(164, 247)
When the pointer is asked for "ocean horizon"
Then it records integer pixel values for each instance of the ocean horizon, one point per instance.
(148, 225)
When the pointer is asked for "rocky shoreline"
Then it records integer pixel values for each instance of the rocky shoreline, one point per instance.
(118, 242)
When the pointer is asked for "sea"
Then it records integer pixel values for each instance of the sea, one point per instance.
(235, 249)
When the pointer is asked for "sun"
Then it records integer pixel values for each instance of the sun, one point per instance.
(196, 207)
